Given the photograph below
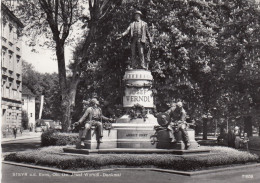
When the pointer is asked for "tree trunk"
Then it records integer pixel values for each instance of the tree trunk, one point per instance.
(248, 126)
(205, 128)
(65, 101)
(69, 103)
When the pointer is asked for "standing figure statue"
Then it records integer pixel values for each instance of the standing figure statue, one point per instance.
(139, 34)
(178, 117)
(92, 117)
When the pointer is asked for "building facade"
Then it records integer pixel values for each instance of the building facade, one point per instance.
(11, 66)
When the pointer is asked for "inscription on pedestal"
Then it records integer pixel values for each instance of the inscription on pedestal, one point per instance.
(142, 96)
(137, 135)
(134, 134)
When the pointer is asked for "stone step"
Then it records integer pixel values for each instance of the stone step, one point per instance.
(135, 151)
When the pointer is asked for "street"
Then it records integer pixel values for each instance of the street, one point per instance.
(21, 145)
(17, 174)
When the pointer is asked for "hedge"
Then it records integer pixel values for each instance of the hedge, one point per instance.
(254, 142)
(219, 156)
(54, 138)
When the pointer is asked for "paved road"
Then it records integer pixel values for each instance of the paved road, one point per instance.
(16, 174)
(21, 145)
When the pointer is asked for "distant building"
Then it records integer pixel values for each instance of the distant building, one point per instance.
(11, 65)
(28, 101)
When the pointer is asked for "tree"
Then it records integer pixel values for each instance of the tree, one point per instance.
(43, 84)
(25, 119)
(239, 40)
(190, 60)
(53, 20)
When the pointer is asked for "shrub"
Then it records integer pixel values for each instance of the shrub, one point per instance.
(54, 138)
(254, 142)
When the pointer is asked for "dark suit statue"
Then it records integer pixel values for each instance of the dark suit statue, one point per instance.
(178, 116)
(139, 33)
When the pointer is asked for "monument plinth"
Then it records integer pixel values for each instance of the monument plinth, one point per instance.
(135, 128)
(138, 85)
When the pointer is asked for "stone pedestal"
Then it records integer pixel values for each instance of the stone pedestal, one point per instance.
(136, 132)
(109, 140)
(138, 84)
(134, 135)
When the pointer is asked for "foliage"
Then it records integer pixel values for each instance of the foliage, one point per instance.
(254, 143)
(219, 156)
(54, 138)
(238, 39)
(40, 122)
(53, 20)
(198, 52)
(25, 120)
(205, 53)
(43, 84)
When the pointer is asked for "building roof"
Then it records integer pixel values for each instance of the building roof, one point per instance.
(27, 91)
(11, 14)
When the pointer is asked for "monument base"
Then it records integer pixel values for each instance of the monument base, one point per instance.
(134, 151)
(135, 134)
(109, 140)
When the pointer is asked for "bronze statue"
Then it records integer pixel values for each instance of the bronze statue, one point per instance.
(174, 119)
(92, 117)
(139, 34)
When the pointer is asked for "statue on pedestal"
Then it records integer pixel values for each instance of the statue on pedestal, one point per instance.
(139, 34)
(174, 119)
(92, 117)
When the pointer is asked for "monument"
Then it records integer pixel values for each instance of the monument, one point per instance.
(139, 128)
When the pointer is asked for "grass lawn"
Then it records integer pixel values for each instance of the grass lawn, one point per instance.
(49, 156)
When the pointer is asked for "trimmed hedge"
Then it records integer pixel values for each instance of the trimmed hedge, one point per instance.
(54, 138)
(219, 156)
(254, 142)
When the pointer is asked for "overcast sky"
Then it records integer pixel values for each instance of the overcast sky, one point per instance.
(44, 60)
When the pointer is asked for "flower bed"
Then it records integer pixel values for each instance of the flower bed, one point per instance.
(219, 156)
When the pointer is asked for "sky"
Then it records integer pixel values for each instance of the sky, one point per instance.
(44, 59)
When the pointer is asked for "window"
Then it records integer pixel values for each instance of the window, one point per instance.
(3, 82)
(18, 58)
(4, 49)
(10, 54)
(18, 85)
(31, 115)
(4, 39)
(10, 83)
(10, 28)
